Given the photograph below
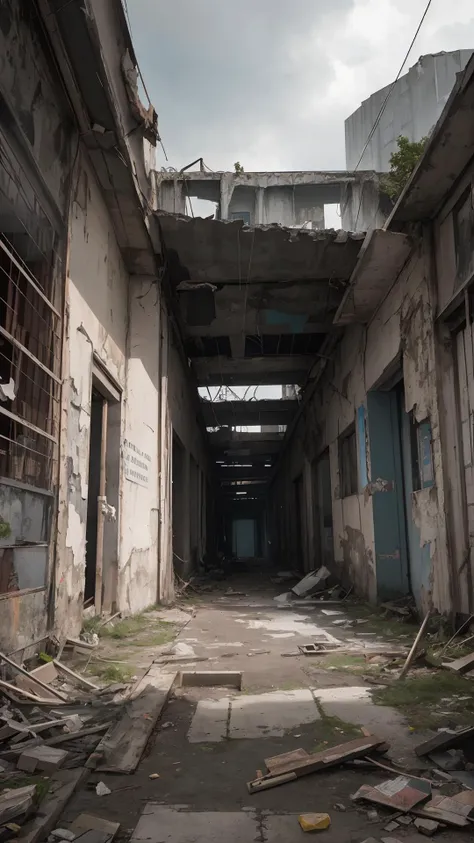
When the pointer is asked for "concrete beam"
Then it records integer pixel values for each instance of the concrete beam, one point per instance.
(253, 472)
(250, 489)
(287, 369)
(269, 412)
(279, 308)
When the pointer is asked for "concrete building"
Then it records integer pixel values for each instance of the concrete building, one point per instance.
(115, 475)
(413, 109)
(95, 391)
(292, 199)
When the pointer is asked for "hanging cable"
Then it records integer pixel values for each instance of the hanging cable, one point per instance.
(389, 93)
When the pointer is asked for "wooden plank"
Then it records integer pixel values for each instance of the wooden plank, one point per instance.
(45, 672)
(411, 654)
(37, 681)
(277, 761)
(121, 749)
(63, 668)
(462, 665)
(13, 693)
(66, 782)
(265, 784)
(317, 761)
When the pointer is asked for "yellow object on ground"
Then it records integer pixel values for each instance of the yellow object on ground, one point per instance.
(314, 822)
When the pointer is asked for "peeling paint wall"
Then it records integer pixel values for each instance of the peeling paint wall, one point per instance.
(401, 333)
(139, 554)
(97, 324)
(452, 244)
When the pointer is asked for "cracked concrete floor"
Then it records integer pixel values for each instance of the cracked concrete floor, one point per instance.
(211, 741)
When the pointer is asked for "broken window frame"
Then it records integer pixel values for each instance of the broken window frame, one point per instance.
(31, 303)
(348, 462)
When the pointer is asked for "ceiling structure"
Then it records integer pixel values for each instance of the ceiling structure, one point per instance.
(256, 304)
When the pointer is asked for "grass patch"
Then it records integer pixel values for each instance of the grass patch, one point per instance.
(430, 701)
(331, 731)
(113, 672)
(126, 627)
(384, 626)
(17, 780)
(348, 662)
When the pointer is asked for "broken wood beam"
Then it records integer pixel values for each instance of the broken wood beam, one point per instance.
(63, 668)
(37, 681)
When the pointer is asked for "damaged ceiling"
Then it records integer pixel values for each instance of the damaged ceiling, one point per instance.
(256, 303)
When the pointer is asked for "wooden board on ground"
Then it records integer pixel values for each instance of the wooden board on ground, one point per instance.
(330, 757)
(88, 822)
(35, 679)
(16, 802)
(437, 809)
(63, 668)
(66, 782)
(461, 665)
(122, 747)
(274, 763)
(401, 794)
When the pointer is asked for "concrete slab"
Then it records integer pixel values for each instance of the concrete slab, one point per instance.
(298, 624)
(160, 824)
(272, 714)
(209, 724)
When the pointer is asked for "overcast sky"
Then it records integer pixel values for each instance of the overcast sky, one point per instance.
(270, 82)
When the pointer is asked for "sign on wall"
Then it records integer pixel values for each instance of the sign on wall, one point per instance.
(137, 464)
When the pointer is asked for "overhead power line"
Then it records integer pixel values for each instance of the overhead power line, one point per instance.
(390, 90)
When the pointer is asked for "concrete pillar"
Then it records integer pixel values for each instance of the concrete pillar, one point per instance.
(226, 191)
(138, 562)
(259, 206)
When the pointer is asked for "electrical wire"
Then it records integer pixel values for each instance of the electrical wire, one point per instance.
(390, 91)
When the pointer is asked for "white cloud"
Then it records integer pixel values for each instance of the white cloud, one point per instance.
(269, 83)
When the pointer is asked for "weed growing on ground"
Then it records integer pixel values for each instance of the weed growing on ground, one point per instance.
(112, 672)
(437, 699)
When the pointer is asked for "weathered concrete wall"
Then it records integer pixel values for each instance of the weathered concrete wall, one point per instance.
(97, 324)
(35, 97)
(402, 329)
(455, 362)
(183, 407)
(414, 107)
(139, 555)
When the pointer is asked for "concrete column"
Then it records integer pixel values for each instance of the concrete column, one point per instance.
(226, 191)
(138, 563)
(259, 206)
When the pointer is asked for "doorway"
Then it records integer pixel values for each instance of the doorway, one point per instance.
(101, 572)
(244, 538)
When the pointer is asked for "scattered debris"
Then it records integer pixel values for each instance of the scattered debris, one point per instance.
(16, 803)
(290, 766)
(88, 822)
(312, 582)
(392, 826)
(445, 739)
(154, 776)
(402, 793)
(314, 822)
(412, 653)
(461, 665)
(427, 827)
(102, 790)
(44, 758)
